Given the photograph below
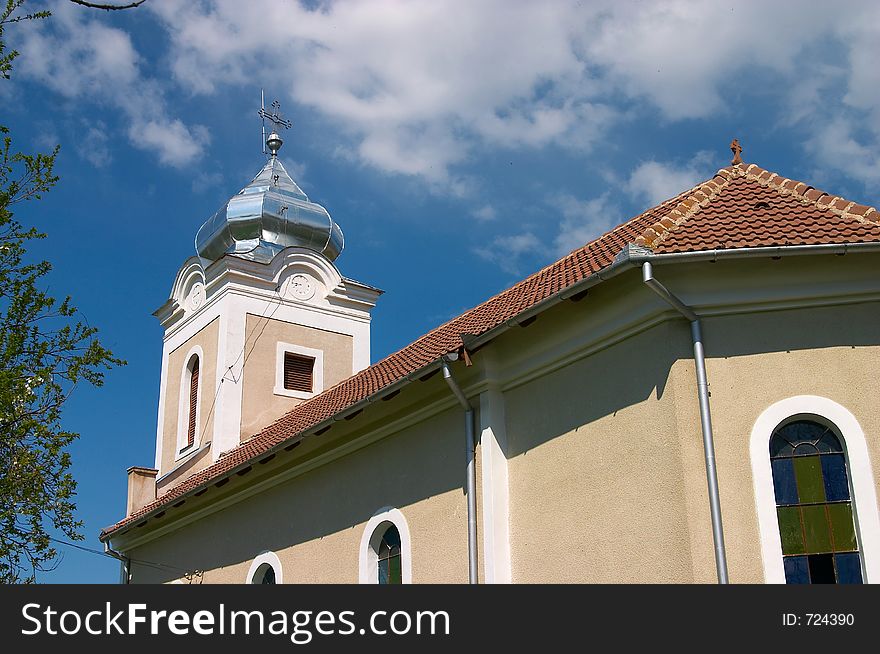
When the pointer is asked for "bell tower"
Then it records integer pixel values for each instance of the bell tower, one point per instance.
(258, 321)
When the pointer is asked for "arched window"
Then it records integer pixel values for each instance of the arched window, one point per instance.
(193, 401)
(189, 415)
(385, 556)
(265, 569)
(815, 495)
(265, 575)
(814, 505)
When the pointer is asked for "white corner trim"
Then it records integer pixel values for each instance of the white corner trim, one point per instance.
(160, 417)
(368, 560)
(266, 558)
(183, 404)
(317, 372)
(495, 491)
(860, 473)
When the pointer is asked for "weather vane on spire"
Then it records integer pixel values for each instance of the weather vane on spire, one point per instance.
(274, 141)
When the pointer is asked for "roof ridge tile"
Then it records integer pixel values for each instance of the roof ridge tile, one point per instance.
(647, 229)
(809, 195)
(698, 198)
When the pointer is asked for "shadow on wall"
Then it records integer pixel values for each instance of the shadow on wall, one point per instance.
(632, 371)
(596, 395)
(399, 471)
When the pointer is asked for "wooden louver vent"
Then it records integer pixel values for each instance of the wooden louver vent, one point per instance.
(298, 372)
(193, 403)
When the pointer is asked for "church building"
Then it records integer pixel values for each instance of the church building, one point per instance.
(692, 397)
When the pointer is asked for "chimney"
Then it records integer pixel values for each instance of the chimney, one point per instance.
(141, 488)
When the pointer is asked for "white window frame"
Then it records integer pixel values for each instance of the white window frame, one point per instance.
(317, 372)
(181, 450)
(266, 558)
(861, 476)
(372, 536)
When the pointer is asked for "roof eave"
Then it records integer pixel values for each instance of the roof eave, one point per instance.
(629, 257)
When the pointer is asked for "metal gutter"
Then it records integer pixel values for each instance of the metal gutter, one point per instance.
(324, 424)
(705, 416)
(124, 563)
(470, 470)
(629, 257)
(632, 256)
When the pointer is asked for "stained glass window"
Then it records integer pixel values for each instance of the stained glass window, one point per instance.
(268, 575)
(813, 505)
(389, 557)
(265, 574)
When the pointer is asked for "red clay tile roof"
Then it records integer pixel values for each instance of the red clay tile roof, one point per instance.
(741, 206)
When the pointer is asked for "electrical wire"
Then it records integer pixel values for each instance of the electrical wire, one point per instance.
(150, 564)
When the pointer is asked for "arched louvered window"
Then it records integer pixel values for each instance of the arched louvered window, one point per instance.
(193, 402)
(814, 507)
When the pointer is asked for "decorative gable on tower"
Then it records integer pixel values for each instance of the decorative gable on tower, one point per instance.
(257, 322)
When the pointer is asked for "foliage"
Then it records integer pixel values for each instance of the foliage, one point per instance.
(45, 351)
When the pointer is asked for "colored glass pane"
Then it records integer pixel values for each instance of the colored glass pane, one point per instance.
(842, 527)
(814, 511)
(817, 532)
(834, 474)
(394, 576)
(389, 557)
(797, 570)
(829, 443)
(801, 431)
(790, 530)
(822, 569)
(779, 447)
(784, 484)
(808, 472)
(849, 568)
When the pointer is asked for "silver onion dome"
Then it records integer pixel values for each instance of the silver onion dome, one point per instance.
(268, 215)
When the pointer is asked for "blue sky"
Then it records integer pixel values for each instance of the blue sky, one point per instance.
(460, 145)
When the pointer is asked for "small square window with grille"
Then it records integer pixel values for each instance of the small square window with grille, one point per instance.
(298, 371)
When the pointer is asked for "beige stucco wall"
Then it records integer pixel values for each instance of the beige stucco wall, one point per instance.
(830, 352)
(207, 340)
(606, 472)
(607, 480)
(597, 475)
(314, 522)
(260, 405)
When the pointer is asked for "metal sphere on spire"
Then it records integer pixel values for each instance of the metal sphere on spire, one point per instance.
(269, 214)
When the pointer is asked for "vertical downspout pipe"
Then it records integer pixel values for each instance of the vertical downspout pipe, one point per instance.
(124, 563)
(705, 416)
(471, 473)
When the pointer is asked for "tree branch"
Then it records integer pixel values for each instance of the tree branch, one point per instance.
(95, 5)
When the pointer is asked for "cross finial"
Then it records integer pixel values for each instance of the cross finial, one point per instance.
(274, 141)
(736, 148)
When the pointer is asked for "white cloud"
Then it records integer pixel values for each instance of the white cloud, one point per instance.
(77, 56)
(485, 213)
(419, 88)
(92, 146)
(203, 180)
(416, 85)
(655, 182)
(509, 251)
(582, 221)
(835, 144)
